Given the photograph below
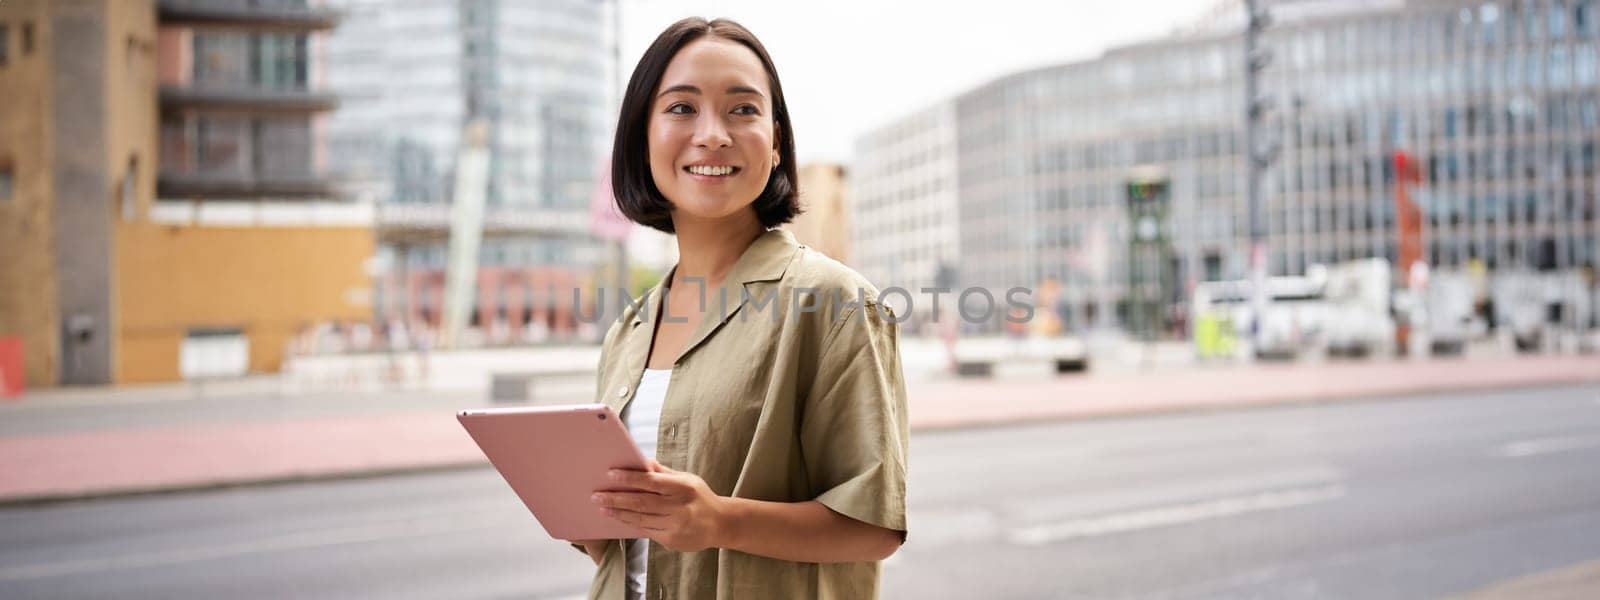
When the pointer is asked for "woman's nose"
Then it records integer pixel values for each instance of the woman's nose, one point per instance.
(710, 133)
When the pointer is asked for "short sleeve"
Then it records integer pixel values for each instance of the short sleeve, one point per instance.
(854, 432)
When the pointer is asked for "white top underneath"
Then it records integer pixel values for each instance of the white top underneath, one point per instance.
(643, 416)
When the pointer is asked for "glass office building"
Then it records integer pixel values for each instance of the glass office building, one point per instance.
(414, 73)
(904, 225)
(1497, 103)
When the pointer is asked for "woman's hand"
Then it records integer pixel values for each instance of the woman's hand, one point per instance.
(676, 509)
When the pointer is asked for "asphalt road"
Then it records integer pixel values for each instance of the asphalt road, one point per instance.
(1388, 498)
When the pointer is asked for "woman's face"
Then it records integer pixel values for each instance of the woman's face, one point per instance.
(712, 144)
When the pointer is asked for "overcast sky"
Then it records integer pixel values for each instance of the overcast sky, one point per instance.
(849, 66)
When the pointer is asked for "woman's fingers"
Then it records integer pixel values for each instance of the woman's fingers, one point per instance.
(642, 480)
(647, 522)
(640, 502)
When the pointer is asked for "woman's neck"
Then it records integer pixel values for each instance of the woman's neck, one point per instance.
(709, 249)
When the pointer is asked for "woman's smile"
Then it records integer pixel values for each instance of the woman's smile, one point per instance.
(710, 173)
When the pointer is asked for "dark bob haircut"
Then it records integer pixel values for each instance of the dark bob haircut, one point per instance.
(636, 193)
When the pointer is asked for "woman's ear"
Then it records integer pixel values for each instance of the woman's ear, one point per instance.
(777, 142)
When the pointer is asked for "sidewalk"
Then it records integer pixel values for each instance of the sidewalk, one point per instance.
(968, 403)
(356, 436)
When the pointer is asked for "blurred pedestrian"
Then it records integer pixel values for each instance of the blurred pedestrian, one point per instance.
(398, 342)
(425, 337)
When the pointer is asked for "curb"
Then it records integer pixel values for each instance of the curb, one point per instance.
(1001, 421)
(42, 500)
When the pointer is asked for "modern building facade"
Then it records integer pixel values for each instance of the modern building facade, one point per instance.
(161, 196)
(1495, 100)
(413, 75)
(249, 242)
(904, 184)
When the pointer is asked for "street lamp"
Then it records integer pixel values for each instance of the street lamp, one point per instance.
(1260, 156)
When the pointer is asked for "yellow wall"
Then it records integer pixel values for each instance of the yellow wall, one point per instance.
(131, 139)
(30, 289)
(28, 306)
(825, 224)
(267, 281)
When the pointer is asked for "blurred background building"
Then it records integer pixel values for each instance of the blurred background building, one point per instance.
(412, 74)
(1495, 104)
(218, 277)
(162, 185)
(904, 182)
(825, 224)
(77, 155)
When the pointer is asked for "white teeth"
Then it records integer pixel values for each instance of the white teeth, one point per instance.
(714, 171)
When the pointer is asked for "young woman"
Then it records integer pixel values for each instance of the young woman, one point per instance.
(764, 377)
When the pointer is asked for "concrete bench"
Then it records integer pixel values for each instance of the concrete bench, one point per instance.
(518, 386)
(974, 368)
(989, 357)
(986, 367)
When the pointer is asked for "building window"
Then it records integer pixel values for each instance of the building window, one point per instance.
(7, 181)
(267, 60)
(1558, 21)
(27, 38)
(280, 61)
(281, 146)
(5, 44)
(129, 196)
(223, 145)
(220, 58)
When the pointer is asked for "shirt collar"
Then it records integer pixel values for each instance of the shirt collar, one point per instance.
(766, 259)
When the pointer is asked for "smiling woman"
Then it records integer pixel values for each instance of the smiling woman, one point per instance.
(779, 440)
(704, 127)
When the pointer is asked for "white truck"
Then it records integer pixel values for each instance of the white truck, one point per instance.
(1291, 322)
(1358, 296)
(1536, 306)
(1452, 318)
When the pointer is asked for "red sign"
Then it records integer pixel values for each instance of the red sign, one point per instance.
(10, 367)
(1408, 217)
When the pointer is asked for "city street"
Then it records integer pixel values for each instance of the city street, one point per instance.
(1390, 497)
(1182, 299)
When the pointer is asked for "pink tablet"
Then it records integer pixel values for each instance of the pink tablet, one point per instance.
(555, 457)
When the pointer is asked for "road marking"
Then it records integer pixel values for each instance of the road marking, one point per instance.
(1526, 448)
(1214, 588)
(489, 519)
(1172, 515)
(1052, 508)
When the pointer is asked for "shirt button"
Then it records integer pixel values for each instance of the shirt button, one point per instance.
(622, 392)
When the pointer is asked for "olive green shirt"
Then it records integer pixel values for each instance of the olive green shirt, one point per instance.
(790, 389)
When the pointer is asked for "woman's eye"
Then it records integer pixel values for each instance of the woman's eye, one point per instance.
(680, 109)
(746, 109)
